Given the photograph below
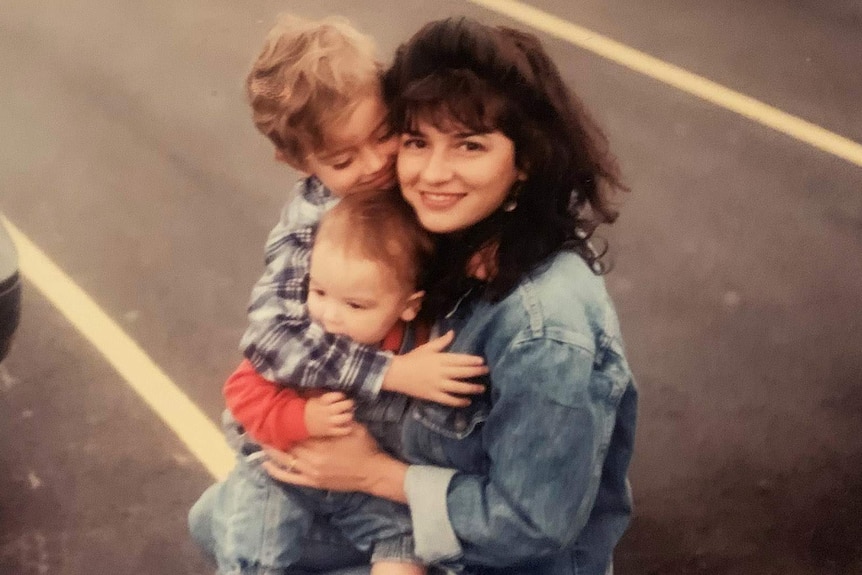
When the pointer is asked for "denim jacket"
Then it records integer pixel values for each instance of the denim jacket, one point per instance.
(531, 478)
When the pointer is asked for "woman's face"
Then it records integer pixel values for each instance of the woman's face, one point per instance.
(455, 178)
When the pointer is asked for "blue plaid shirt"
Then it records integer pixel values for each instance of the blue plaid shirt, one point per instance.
(281, 341)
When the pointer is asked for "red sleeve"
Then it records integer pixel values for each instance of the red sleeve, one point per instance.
(271, 414)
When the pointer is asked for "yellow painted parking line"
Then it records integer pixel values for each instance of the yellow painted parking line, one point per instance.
(679, 78)
(200, 435)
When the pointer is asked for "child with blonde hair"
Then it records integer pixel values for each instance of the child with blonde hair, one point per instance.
(315, 93)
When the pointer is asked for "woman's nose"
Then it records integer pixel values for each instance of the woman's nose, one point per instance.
(437, 168)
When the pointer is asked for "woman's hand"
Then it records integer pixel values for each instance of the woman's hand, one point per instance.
(353, 462)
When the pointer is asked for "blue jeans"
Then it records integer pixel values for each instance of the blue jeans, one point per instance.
(323, 549)
(252, 524)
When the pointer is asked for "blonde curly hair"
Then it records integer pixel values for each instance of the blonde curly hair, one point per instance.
(308, 77)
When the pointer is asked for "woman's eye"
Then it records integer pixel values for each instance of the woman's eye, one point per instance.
(471, 146)
(317, 292)
(413, 143)
(354, 305)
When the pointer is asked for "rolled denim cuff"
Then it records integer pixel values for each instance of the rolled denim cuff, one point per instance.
(398, 549)
(427, 487)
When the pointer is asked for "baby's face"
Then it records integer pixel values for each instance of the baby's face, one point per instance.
(354, 296)
(362, 152)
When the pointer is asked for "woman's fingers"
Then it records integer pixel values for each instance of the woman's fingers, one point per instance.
(280, 464)
(281, 458)
(286, 475)
(289, 466)
(337, 463)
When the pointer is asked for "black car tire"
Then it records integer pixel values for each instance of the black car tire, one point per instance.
(10, 311)
(10, 292)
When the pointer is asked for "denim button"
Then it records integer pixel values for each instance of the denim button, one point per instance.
(460, 422)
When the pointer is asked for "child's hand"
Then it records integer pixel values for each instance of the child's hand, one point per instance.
(429, 372)
(329, 415)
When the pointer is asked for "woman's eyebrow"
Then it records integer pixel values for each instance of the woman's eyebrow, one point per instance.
(472, 133)
(461, 134)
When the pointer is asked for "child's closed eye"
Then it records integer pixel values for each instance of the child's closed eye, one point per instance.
(342, 164)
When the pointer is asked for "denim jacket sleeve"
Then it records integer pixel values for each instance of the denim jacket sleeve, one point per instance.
(545, 439)
(281, 341)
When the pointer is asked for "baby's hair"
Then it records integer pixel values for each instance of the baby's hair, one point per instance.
(308, 77)
(382, 227)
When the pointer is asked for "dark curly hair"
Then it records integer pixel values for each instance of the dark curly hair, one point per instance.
(496, 78)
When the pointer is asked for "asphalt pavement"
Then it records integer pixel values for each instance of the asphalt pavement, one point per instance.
(129, 158)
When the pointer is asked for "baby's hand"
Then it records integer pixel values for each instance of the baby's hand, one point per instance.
(329, 415)
(429, 372)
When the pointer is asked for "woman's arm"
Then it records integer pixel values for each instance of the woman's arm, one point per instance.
(350, 463)
(546, 437)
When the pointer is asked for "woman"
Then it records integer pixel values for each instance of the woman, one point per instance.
(501, 162)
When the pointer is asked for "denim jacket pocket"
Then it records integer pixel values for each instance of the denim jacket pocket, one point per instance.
(388, 407)
(383, 418)
(447, 436)
(611, 369)
(451, 422)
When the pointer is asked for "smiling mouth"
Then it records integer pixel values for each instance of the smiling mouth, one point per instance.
(438, 201)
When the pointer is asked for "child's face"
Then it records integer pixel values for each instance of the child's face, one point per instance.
(356, 297)
(362, 154)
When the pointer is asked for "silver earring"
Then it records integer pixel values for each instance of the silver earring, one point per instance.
(511, 203)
